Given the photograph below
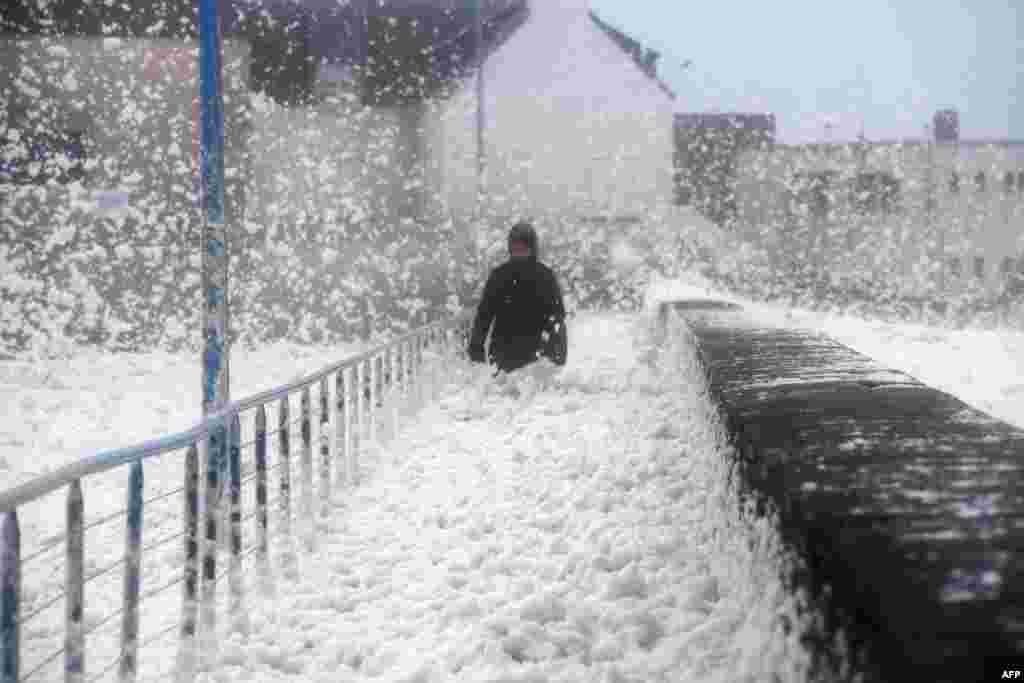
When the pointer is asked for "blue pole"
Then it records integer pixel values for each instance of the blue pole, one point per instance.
(214, 257)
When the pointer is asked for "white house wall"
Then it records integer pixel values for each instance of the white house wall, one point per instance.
(450, 128)
(573, 126)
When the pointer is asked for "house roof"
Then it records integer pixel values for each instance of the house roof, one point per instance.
(333, 30)
(409, 48)
(645, 58)
(339, 34)
(409, 56)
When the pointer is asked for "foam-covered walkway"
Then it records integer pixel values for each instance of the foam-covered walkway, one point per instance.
(553, 528)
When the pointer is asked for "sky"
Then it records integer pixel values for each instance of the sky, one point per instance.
(885, 64)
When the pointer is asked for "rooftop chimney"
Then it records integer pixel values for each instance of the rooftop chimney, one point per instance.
(946, 125)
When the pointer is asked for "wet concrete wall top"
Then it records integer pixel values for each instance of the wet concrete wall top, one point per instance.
(904, 503)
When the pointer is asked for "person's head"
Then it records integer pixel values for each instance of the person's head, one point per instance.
(522, 242)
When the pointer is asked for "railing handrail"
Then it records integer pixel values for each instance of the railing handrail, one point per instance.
(108, 460)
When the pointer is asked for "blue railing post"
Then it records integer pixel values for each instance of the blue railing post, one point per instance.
(10, 597)
(236, 607)
(74, 568)
(216, 453)
(325, 447)
(288, 560)
(132, 577)
(190, 585)
(261, 496)
(341, 428)
(306, 502)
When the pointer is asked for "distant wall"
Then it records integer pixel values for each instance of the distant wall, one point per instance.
(135, 102)
(898, 212)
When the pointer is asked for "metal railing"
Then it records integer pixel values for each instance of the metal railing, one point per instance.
(381, 384)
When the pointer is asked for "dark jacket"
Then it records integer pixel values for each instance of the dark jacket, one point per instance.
(524, 302)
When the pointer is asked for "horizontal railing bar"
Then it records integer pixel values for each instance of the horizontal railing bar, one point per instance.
(117, 659)
(107, 460)
(103, 520)
(163, 495)
(118, 612)
(50, 603)
(103, 672)
(156, 591)
(274, 394)
(42, 551)
(148, 641)
(257, 510)
(157, 527)
(106, 570)
(60, 596)
(60, 541)
(249, 477)
(41, 665)
(57, 598)
(143, 597)
(244, 555)
(163, 541)
(158, 635)
(107, 668)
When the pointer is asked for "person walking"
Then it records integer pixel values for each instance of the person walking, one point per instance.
(523, 301)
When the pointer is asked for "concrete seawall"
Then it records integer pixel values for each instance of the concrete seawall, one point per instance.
(903, 504)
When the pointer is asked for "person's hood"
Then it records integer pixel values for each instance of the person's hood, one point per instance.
(524, 232)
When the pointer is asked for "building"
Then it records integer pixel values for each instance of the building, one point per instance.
(575, 117)
(707, 149)
(348, 125)
(950, 211)
(577, 124)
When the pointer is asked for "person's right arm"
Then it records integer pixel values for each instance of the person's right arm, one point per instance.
(556, 336)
